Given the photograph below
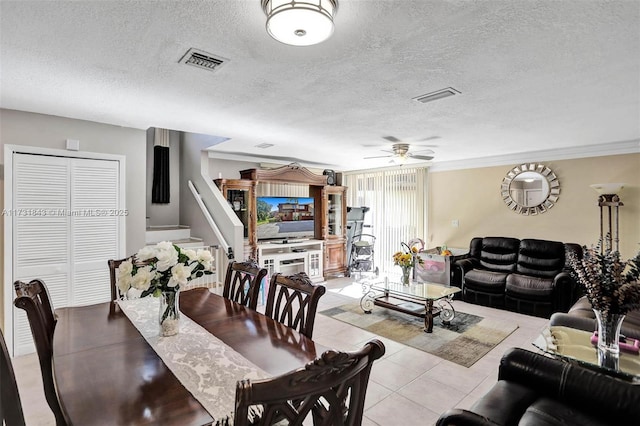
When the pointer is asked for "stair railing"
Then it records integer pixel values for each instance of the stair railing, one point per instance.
(207, 215)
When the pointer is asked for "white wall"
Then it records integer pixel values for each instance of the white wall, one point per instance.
(193, 161)
(229, 169)
(29, 129)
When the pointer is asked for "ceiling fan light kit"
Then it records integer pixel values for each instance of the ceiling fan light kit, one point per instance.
(399, 154)
(300, 23)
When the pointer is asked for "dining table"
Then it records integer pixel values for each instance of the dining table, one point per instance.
(107, 373)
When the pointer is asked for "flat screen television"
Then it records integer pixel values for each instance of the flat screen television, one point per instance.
(284, 218)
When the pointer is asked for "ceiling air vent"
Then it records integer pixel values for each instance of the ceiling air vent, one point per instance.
(264, 145)
(438, 94)
(202, 59)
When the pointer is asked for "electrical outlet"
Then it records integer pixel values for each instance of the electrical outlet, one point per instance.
(455, 223)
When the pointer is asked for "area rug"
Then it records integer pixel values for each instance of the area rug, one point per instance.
(464, 341)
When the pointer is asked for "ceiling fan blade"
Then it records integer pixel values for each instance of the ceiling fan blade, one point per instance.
(429, 138)
(424, 151)
(391, 139)
(380, 156)
(422, 157)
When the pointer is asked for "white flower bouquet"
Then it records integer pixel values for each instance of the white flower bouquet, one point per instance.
(163, 267)
(160, 270)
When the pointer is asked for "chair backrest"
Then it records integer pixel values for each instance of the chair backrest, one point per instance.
(242, 283)
(293, 301)
(541, 258)
(34, 299)
(499, 254)
(10, 405)
(114, 264)
(331, 388)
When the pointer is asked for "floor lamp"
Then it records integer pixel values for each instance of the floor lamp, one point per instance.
(609, 202)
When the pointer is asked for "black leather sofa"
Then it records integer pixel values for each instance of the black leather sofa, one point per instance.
(534, 390)
(581, 316)
(528, 276)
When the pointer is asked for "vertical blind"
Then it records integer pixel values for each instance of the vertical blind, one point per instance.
(397, 199)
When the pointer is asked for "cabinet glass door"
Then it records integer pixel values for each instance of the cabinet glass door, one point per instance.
(334, 219)
(239, 201)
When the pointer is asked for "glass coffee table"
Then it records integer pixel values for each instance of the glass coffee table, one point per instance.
(416, 299)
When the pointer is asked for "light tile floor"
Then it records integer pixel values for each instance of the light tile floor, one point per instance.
(407, 386)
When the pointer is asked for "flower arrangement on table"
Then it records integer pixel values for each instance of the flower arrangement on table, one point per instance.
(611, 284)
(613, 289)
(406, 260)
(160, 270)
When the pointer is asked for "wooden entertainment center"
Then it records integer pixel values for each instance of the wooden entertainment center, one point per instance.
(324, 254)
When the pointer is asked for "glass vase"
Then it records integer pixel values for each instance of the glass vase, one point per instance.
(406, 275)
(608, 339)
(169, 314)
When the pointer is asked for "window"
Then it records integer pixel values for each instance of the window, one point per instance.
(397, 199)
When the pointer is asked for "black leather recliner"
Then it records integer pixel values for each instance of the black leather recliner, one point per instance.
(582, 317)
(485, 271)
(528, 276)
(534, 390)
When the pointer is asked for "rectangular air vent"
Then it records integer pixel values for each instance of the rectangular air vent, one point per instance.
(438, 94)
(264, 145)
(202, 59)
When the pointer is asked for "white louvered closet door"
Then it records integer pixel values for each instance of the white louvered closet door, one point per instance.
(65, 230)
(94, 228)
(41, 239)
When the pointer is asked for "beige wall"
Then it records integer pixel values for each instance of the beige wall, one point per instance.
(472, 197)
(23, 128)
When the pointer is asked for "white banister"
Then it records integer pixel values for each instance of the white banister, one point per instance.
(223, 242)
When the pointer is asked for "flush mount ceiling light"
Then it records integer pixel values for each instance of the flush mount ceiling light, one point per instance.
(300, 23)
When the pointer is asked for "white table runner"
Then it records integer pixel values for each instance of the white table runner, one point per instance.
(206, 366)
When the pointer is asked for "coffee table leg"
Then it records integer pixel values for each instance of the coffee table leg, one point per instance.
(366, 303)
(428, 316)
(447, 313)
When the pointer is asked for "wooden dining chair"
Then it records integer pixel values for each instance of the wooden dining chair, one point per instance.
(293, 301)
(10, 405)
(330, 390)
(242, 283)
(33, 298)
(114, 264)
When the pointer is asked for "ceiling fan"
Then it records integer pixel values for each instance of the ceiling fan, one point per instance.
(400, 152)
(414, 142)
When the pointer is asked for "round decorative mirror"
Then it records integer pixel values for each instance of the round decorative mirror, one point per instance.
(530, 189)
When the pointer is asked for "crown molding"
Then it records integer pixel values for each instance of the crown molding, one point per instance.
(274, 161)
(614, 148)
(601, 150)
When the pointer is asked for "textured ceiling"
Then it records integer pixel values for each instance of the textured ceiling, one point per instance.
(533, 75)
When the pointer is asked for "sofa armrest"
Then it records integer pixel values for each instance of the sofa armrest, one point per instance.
(563, 291)
(460, 268)
(466, 264)
(459, 417)
(581, 321)
(572, 321)
(598, 394)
